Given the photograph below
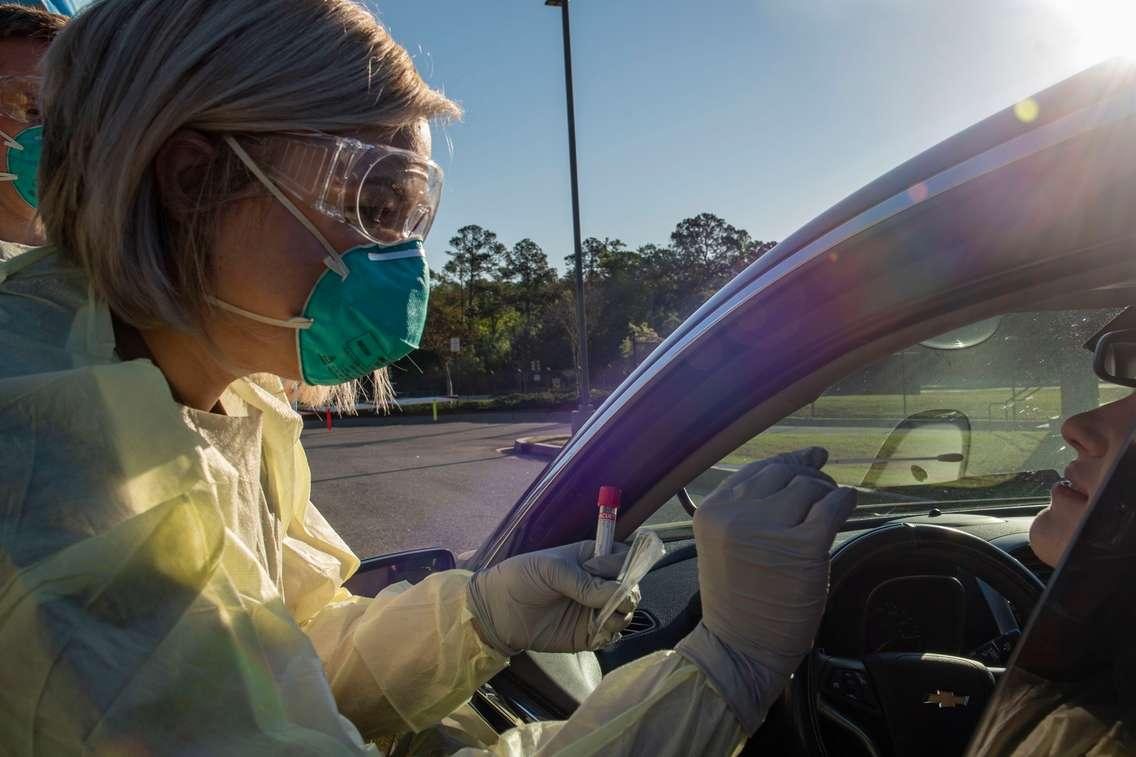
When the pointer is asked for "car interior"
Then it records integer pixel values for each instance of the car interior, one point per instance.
(933, 579)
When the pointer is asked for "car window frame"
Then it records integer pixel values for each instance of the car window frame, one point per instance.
(1016, 293)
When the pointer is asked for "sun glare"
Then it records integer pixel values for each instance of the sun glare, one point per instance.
(1104, 28)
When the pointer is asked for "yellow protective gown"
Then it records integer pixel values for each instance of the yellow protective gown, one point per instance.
(10, 250)
(167, 588)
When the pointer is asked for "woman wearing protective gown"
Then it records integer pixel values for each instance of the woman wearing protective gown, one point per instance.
(242, 190)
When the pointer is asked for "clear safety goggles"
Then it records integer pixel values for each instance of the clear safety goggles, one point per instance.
(19, 98)
(386, 193)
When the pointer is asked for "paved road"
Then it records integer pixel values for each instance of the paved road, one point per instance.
(389, 485)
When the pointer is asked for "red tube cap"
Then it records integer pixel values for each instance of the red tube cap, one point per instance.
(609, 496)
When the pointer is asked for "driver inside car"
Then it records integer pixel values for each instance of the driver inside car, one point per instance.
(1097, 437)
(238, 189)
(1037, 716)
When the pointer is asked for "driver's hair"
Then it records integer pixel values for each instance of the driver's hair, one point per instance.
(126, 75)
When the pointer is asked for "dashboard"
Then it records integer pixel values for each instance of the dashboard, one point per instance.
(890, 607)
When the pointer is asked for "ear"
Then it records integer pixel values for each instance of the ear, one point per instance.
(181, 168)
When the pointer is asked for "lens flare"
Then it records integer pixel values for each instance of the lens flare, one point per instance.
(1026, 110)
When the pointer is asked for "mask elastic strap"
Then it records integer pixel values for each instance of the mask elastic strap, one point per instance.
(297, 322)
(333, 260)
(9, 142)
(14, 145)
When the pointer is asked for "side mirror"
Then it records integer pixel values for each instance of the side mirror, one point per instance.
(377, 573)
(966, 337)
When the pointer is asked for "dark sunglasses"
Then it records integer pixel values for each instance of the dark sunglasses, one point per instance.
(1114, 359)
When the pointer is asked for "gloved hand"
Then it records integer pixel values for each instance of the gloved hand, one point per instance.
(543, 601)
(763, 540)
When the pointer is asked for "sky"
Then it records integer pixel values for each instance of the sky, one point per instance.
(763, 112)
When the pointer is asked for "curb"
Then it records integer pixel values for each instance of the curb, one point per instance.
(537, 446)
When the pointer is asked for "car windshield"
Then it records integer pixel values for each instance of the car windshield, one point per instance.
(969, 419)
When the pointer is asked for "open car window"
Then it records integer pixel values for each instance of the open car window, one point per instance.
(1070, 687)
(969, 419)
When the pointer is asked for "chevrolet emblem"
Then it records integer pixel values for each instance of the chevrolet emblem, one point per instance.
(946, 699)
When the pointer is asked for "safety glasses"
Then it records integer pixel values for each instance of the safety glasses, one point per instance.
(386, 193)
(19, 98)
(1114, 359)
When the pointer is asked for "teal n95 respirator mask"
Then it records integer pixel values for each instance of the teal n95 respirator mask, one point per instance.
(23, 153)
(19, 102)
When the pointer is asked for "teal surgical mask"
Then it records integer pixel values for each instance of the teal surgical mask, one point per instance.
(23, 153)
(365, 312)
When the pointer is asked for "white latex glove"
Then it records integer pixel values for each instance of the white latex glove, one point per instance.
(763, 541)
(543, 601)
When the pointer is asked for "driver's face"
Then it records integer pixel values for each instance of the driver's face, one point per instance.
(1096, 437)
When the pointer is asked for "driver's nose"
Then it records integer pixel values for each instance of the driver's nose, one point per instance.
(1083, 433)
(1097, 432)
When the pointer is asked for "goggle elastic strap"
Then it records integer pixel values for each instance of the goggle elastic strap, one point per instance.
(333, 259)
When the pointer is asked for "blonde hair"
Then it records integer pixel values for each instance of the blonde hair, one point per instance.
(343, 397)
(125, 75)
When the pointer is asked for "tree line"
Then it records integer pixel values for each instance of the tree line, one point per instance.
(514, 318)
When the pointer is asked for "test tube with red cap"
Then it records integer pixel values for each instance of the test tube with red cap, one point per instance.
(608, 504)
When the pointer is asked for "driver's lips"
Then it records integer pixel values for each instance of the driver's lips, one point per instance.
(1071, 493)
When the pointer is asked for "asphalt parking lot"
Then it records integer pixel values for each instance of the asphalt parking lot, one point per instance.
(398, 483)
(389, 484)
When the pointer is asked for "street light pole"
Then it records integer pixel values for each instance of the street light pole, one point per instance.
(583, 381)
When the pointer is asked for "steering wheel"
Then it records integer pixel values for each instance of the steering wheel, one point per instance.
(903, 703)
